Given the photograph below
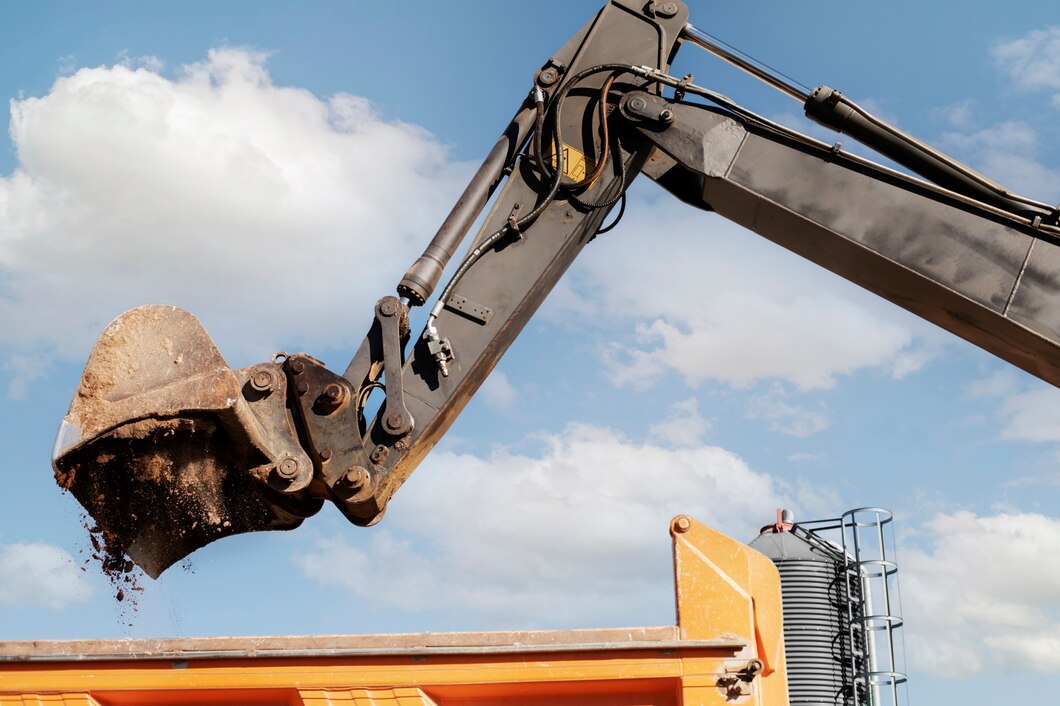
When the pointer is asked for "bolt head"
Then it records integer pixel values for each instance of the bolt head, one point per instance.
(303, 387)
(395, 421)
(667, 9)
(298, 367)
(355, 478)
(262, 380)
(379, 453)
(288, 468)
(666, 115)
(637, 104)
(388, 308)
(548, 77)
(332, 397)
(682, 524)
(325, 454)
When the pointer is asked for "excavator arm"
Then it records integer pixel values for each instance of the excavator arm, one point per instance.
(168, 449)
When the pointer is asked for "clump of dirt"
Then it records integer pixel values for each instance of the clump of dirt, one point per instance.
(159, 489)
(120, 571)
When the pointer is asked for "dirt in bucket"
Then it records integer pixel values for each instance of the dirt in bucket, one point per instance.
(157, 490)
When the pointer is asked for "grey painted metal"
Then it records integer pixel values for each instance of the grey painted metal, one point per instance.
(515, 276)
(815, 607)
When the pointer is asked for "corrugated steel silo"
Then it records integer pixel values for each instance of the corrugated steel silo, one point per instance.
(821, 662)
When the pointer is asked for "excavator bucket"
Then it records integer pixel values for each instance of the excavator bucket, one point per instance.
(168, 449)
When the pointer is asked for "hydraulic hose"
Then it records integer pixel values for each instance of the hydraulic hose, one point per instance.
(555, 183)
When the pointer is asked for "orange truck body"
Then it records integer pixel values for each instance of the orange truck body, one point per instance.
(727, 647)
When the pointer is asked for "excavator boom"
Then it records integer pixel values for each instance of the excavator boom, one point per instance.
(168, 449)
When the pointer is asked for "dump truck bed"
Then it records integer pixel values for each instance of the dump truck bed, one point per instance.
(726, 647)
(319, 646)
(621, 666)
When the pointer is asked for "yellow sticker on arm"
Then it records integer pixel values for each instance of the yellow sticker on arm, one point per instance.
(575, 164)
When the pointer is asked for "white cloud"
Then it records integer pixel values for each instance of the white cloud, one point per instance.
(1026, 409)
(1009, 136)
(498, 392)
(709, 301)
(39, 575)
(684, 426)
(1033, 60)
(999, 383)
(914, 357)
(1008, 154)
(960, 115)
(278, 216)
(785, 417)
(24, 371)
(67, 64)
(985, 595)
(1033, 415)
(151, 63)
(576, 535)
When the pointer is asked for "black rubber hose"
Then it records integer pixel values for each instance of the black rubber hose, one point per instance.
(554, 187)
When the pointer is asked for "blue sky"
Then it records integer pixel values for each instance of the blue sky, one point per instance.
(146, 151)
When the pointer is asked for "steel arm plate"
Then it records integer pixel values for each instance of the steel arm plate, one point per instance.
(504, 288)
(985, 276)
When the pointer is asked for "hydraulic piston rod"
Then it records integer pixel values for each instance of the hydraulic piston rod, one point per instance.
(744, 63)
(422, 277)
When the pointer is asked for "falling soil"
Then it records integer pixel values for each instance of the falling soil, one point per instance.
(120, 572)
(159, 489)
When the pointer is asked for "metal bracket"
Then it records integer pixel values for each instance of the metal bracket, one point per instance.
(550, 73)
(682, 87)
(289, 468)
(661, 9)
(737, 680)
(513, 220)
(393, 320)
(463, 305)
(439, 348)
(641, 106)
(323, 404)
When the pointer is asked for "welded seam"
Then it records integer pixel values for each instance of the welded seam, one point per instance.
(1019, 278)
